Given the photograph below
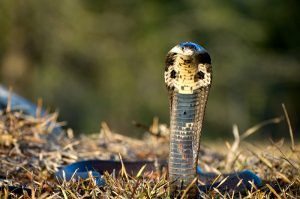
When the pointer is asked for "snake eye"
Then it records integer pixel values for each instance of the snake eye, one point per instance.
(173, 74)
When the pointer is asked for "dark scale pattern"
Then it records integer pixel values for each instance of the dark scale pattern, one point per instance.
(173, 74)
(186, 122)
(199, 75)
(203, 58)
(169, 60)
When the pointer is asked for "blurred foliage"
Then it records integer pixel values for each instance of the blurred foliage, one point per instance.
(103, 60)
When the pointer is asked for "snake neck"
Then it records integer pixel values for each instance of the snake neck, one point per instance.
(187, 112)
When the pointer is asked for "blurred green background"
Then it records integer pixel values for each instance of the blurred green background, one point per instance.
(104, 60)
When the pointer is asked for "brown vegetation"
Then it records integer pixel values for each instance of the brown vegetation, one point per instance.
(30, 155)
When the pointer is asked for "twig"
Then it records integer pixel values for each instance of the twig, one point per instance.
(8, 107)
(123, 169)
(256, 127)
(234, 147)
(273, 191)
(290, 127)
(188, 188)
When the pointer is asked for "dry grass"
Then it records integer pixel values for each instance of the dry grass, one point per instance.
(30, 155)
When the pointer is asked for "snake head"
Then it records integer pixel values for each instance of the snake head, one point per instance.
(188, 68)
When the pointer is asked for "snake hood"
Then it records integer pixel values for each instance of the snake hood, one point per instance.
(188, 68)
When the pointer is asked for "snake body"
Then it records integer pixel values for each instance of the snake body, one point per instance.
(188, 76)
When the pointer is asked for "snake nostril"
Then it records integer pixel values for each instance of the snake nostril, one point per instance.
(173, 74)
(184, 113)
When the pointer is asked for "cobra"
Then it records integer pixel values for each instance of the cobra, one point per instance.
(188, 77)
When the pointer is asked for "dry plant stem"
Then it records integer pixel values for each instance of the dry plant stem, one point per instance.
(283, 169)
(260, 125)
(231, 156)
(290, 126)
(233, 149)
(273, 191)
(8, 108)
(189, 187)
